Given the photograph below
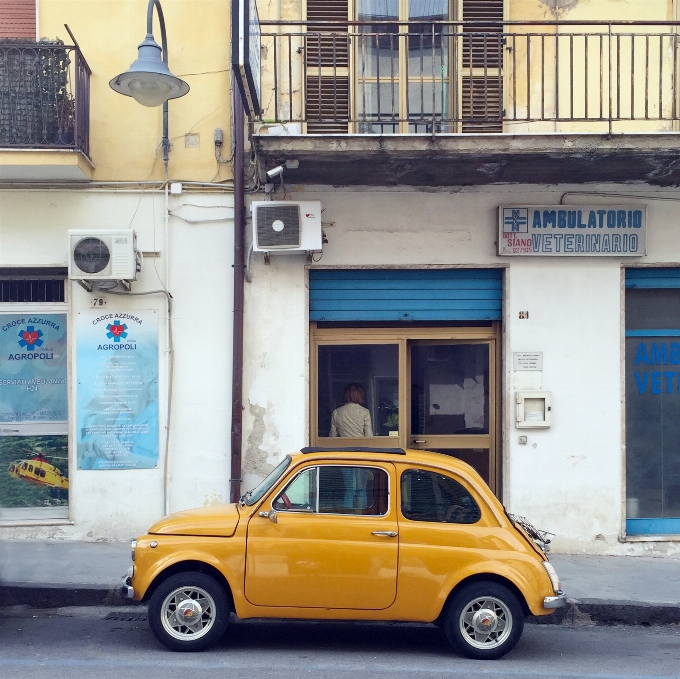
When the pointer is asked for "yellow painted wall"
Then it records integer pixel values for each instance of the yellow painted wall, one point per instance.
(125, 135)
(597, 10)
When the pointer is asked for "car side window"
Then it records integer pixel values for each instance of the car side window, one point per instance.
(428, 496)
(300, 494)
(336, 489)
(353, 490)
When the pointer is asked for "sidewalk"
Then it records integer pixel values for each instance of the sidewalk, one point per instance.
(602, 590)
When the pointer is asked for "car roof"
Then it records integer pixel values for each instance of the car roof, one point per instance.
(408, 455)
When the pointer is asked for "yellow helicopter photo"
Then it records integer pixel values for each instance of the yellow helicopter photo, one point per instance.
(39, 471)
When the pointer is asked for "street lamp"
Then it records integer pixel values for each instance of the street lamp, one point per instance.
(149, 80)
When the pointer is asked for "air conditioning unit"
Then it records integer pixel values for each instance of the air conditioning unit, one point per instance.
(105, 254)
(286, 227)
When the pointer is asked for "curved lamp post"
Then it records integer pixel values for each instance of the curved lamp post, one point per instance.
(149, 80)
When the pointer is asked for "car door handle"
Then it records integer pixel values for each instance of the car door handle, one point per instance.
(386, 533)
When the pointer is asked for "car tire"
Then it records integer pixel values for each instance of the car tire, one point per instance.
(484, 620)
(189, 611)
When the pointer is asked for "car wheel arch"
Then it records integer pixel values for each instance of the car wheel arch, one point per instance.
(188, 566)
(483, 577)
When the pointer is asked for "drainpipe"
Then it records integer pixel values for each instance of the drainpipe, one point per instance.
(239, 269)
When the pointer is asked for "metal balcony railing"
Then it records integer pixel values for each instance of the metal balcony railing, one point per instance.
(450, 77)
(44, 97)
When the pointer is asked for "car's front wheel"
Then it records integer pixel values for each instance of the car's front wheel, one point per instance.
(484, 620)
(189, 612)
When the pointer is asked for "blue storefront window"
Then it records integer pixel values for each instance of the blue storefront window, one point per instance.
(653, 402)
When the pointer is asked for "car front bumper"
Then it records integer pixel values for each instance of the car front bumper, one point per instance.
(127, 591)
(558, 601)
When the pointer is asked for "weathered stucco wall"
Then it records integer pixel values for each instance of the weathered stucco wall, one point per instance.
(568, 479)
(33, 232)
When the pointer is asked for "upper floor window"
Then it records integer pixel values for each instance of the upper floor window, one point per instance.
(337, 489)
(412, 75)
(428, 496)
(18, 19)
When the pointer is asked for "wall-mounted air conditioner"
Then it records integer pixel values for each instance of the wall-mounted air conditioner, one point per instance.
(286, 227)
(104, 254)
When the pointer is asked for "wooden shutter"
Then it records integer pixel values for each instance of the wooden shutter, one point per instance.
(482, 78)
(327, 104)
(327, 61)
(17, 19)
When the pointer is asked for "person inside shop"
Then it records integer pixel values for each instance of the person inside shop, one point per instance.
(352, 419)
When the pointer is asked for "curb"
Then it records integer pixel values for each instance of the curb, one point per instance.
(58, 596)
(579, 612)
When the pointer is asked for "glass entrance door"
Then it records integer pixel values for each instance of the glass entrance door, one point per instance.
(452, 409)
(418, 387)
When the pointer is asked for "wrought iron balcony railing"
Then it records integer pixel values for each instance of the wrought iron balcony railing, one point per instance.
(44, 97)
(449, 77)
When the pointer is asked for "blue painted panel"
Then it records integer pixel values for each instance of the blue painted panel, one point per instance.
(380, 295)
(398, 305)
(670, 526)
(653, 333)
(395, 284)
(653, 278)
(461, 315)
(409, 294)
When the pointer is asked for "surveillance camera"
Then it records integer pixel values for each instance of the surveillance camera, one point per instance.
(275, 172)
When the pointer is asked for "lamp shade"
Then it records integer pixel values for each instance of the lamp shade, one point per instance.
(149, 80)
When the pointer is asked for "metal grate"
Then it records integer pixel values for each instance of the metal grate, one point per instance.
(127, 617)
(288, 236)
(31, 290)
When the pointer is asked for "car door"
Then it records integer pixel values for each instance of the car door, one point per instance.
(333, 542)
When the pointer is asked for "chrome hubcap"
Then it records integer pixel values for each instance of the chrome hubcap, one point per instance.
(188, 613)
(486, 622)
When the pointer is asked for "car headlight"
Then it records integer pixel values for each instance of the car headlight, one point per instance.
(552, 574)
(133, 546)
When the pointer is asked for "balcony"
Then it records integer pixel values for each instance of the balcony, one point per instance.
(44, 113)
(467, 103)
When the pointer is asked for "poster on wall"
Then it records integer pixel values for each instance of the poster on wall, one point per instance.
(117, 390)
(33, 371)
(33, 472)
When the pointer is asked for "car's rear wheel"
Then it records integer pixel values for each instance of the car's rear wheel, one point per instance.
(189, 612)
(484, 620)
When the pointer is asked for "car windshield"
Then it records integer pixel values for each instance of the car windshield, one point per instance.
(252, 496)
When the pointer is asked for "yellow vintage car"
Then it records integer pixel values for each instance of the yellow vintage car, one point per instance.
(377, 534)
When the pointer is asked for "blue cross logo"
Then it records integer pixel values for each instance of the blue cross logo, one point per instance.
(515, 219)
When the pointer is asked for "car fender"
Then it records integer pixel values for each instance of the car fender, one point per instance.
(154, 565)
(526, 575)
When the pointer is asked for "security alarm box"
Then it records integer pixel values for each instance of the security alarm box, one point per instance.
(534, 409)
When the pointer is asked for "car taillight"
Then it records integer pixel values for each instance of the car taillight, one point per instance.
(552, 574)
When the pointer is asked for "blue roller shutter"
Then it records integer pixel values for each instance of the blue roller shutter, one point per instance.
(405, 294)
(653, 278)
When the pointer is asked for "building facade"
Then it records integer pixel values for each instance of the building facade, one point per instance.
(115, 403)
(499, 271)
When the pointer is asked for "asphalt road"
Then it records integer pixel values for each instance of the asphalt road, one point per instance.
(84, 644)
